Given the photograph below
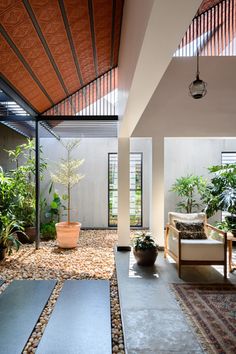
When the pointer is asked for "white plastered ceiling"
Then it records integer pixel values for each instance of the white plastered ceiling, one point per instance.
(171, 112)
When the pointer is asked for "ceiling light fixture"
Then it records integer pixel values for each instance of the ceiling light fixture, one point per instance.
(198, 88)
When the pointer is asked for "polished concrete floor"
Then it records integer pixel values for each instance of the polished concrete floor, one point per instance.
(153, 322)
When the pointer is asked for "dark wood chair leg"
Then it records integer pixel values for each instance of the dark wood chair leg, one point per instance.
(166, 241)
(225, 270)
(179, 269)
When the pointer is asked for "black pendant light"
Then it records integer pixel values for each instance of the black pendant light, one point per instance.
(198, 88)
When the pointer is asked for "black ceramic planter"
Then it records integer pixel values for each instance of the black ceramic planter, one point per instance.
(145, 257)
(29, 237)
(2, 253)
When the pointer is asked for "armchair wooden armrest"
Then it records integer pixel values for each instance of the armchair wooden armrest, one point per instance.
(220, 232)
(176, 232)
(171, 227)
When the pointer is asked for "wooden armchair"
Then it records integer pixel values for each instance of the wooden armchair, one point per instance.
(206, 251)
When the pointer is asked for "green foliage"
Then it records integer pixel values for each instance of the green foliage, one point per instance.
(187, 188)
(67, 171)
(8, 233)
(221, 191)
(26, 152)
(143, 241)
(8, 194)
(53, 211)
(18, 185)
(67, 174)
(48, 231)
(50, 214)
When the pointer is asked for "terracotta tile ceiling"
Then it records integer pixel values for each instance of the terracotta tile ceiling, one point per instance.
(207, 4)
(49, 49)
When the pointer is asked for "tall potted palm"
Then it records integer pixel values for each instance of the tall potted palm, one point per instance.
(67, 175)
(188, 188)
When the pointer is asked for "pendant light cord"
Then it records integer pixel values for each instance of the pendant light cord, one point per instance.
(198, 66)
(197, 75)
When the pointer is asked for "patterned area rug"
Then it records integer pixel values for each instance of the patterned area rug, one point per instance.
(211, 310)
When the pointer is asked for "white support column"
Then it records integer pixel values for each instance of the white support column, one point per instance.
(123, 194)
(157, 199)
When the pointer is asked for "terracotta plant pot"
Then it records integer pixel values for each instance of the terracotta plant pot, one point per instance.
(68, 234)
(145, 257)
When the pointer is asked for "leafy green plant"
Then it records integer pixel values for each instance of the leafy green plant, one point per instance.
(8, 194)
(53, 212)
(48, 230)
(67, 172)
(221, 191)
(21, 202)
(26, 153)
(187, 189)
(143, 241)
(8, 234)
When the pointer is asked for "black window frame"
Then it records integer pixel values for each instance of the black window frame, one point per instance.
(226, 152)
(109, 190)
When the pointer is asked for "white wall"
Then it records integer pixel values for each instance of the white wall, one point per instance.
(90, 197)
(190, 156)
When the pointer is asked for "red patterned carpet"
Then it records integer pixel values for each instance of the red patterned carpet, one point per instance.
(211, 310)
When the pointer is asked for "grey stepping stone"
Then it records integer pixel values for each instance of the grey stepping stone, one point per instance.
(21, 305)
(81, 320)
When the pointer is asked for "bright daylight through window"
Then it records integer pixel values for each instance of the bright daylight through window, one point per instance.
(135, 189)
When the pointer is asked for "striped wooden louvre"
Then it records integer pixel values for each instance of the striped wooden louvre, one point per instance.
(97, 98)
(211, 33)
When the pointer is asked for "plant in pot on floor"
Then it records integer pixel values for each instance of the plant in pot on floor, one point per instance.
(9, 229)
(145, 249)
(67, 175)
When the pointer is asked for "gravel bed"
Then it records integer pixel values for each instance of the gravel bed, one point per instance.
(93, 259)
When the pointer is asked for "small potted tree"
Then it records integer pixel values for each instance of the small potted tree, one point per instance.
(67, 175)
(145, 249)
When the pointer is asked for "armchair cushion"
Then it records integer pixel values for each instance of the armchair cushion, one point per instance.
(198, 250)
(190, 230)
(194, 217)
